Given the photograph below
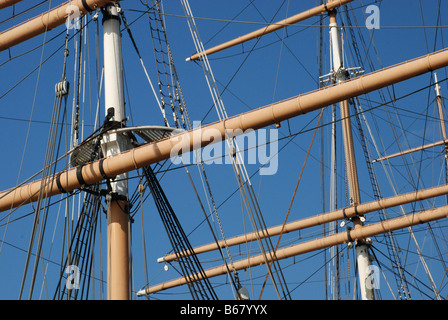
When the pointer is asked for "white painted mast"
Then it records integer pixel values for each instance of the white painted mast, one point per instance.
(118, 287)
(340, 74)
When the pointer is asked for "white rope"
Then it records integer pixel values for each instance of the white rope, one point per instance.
(153, 91)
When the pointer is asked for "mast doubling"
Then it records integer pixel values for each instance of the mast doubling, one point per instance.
(340, 74)
(115, 142)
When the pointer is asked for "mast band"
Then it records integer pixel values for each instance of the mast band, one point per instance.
(79, 176)
(349, 237)
(86, 6)
(102, 172)
(343, 212)
(58, 183)
(356, 211)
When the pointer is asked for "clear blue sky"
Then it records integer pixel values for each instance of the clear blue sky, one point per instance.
(273, 71)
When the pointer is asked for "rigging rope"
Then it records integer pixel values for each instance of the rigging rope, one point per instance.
(294, 195)
(80, 250)
(246, 189)
(198, 284)
(82, 242)
(170, 86)
(398, 263)
(45, 174)
(142, 63)
(397, 266)
(141, 190)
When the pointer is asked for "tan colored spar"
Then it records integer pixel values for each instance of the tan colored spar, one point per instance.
(46, 21)
(273, 27)
(317, 244)
(320, 219)
(426, 146)
(200, 137)
(7, 3)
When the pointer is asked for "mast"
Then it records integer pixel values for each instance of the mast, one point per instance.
(117, 200)
(340, 74)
